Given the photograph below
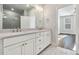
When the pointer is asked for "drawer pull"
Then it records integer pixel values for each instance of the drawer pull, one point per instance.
(39, 48)
(25, 43)
(39, 34)
(39, 40)
(22, 44)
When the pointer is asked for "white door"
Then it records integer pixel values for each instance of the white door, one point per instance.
(13, 49)
(28, 48)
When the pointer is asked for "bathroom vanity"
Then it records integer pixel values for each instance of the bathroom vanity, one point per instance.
(24, 43)
(29, 42)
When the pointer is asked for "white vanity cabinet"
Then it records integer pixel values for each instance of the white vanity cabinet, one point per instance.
(39, 42)
(13, 49)
(27, 48)
(25, 44)
(43, 39)
(19, 45)
(23, 48)
(47, 38)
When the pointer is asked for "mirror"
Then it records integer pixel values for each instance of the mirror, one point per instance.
(12, 13)
(11, 17)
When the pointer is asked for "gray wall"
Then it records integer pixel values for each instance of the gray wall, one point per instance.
(51, 20)
(77, 28)
(1, 14)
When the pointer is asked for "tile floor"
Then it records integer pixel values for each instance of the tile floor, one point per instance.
(57, 51)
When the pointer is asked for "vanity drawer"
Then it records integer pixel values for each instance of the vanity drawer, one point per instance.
(47, 33)
(39, 34)
(13, 40)
(39, 40)
(39, 48)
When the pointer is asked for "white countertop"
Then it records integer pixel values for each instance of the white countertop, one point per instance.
(5, 35)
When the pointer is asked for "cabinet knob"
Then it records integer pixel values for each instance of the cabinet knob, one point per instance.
(39, 34)
(22, 44)
(39, 48)
(39, 40)
(25, 43)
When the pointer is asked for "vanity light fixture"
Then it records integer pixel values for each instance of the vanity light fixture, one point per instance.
(39, 8)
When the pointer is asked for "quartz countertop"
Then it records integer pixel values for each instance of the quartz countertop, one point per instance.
(11, 34)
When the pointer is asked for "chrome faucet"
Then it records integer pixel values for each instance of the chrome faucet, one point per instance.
(18, 30)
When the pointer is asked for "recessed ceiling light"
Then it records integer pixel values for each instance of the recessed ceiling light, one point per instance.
(12, 9)
(27, 5)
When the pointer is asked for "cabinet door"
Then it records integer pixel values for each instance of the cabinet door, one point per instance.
(47, 38)
(28, 48)
(13, 50)
(39, 48)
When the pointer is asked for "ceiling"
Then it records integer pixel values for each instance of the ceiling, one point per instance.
(23, 6)
(17, 6)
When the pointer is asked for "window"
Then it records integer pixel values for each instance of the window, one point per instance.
(67, 22)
